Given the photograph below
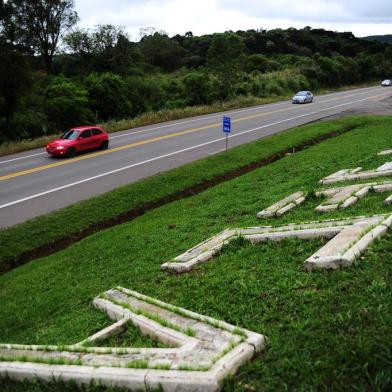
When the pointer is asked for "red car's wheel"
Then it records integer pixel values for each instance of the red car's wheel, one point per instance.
(105, 145)
(71, 152)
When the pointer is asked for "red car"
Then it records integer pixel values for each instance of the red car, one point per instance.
(79, 139)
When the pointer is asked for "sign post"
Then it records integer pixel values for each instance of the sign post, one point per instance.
(226, 128)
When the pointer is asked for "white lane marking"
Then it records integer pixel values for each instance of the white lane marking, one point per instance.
(169, 125)
(199, 119)
(267, 106)
(104, 174)
(210, 117)
(300, 116)
(24, 157)
(175, 153)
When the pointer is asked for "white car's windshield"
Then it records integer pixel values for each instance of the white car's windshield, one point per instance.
(302, 93)
(70, 135)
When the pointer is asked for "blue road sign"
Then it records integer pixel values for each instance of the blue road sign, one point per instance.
(226, 124)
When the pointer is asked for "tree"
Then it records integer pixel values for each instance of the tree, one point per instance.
(7, 25)
(199, 88)
(226, 58)
(105, 49)
(107, 96)
(146, 94)
(162, 51)
(226, 48)
(14, 81)
(99, 40)
(388, 52)
(14, 69)
(66, 104)
(41, 24)
(258, 62)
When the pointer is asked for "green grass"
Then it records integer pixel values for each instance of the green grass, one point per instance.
(130, 336)
(162, 366)
(138, 364)
(48, 361)
(326, 330)
(25, 145)
(69, 222)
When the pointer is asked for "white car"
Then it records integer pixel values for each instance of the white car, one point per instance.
(303, 97)
(386, 83)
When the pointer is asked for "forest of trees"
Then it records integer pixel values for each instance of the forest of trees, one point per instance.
(386, 38)
(54, 75)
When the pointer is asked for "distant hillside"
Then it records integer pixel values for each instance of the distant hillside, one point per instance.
(387, 38)
(103, 75)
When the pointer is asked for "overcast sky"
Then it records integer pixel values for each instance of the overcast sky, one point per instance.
(362, 17)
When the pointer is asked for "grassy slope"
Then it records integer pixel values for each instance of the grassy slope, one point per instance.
(326, 330)
(71, 220)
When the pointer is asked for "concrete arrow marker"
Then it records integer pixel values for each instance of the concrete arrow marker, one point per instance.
(347, 240)
(346, 196)
(358, 174)
(203, 350)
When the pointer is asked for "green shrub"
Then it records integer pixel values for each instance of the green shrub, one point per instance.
(107, 95)
(66, 104)
(273, 88)
(30, 123)
(145, 94)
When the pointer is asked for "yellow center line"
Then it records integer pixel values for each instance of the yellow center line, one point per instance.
(127, 146)
(154, 139)
(112, 150)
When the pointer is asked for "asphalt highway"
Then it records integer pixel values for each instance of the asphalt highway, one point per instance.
(33, 183)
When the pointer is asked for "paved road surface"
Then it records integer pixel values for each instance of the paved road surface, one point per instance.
(32, 183)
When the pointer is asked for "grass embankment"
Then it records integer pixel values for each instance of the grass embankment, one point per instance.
(43, 235)
(326, 330)
(151, 118)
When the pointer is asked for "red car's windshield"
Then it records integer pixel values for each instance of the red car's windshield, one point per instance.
(70, 135)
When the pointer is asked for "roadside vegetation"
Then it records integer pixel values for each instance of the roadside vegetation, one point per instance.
(57, 230)
(100, 76)
(326, 330)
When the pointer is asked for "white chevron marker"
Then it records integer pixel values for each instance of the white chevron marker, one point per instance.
(347, 240)
(346, 196)
(203, 350)
(358, 174)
